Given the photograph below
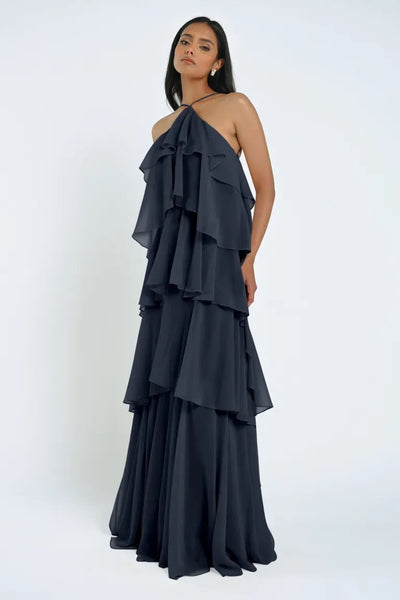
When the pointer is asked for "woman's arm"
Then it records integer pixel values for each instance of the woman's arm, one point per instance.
(251, 136)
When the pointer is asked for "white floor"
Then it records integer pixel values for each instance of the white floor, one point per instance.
(59, 550)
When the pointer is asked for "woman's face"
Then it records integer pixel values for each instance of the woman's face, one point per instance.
(197, 42)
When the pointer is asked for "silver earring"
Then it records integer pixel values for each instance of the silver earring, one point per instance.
(213, 72)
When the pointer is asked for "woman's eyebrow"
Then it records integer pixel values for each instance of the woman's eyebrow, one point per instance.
(201, 39)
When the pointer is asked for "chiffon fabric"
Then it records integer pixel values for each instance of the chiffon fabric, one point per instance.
(190, 494)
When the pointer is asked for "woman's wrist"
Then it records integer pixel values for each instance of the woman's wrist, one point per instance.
(250, 257)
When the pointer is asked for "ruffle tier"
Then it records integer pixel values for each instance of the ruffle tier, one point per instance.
(192, 166)
(190, 496)
(203, 353)
(194, 263)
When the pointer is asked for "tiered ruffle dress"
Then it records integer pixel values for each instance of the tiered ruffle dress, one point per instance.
(190, 494)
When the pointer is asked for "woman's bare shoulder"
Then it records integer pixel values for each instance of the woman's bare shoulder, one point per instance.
(163, 125)
(240, 101)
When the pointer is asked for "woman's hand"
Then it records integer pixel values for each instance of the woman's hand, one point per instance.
(249, 279)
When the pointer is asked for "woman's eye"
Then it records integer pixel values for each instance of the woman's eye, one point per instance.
(184, 42)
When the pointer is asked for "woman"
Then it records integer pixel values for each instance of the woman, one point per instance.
(190, 495)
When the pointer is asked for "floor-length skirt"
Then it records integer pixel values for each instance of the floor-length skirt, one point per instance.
(190, 496)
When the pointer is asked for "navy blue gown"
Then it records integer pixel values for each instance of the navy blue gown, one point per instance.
(190, 495)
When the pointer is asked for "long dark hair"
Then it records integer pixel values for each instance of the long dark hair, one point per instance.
(222, 81)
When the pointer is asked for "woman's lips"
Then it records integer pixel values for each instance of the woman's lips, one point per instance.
(188, 60)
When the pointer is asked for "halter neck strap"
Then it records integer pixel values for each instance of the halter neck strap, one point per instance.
(198, 99)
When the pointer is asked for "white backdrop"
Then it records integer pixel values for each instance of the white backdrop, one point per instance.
(81, 84)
